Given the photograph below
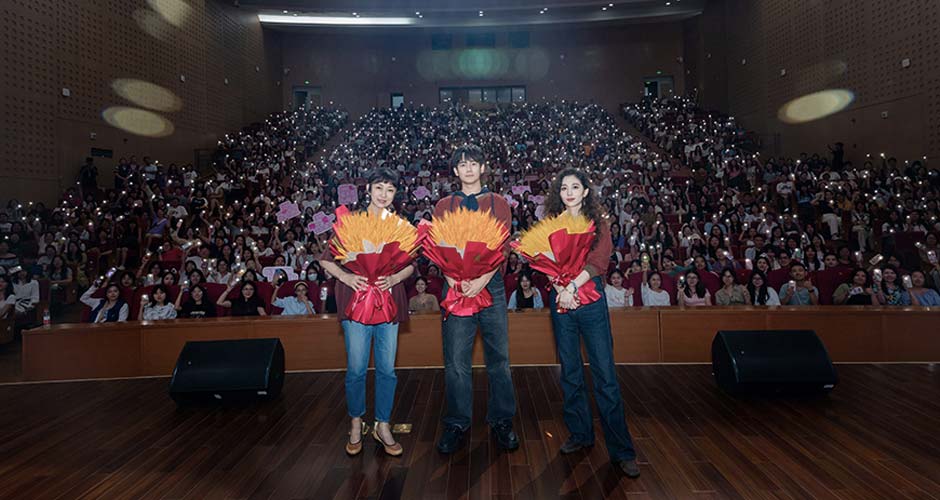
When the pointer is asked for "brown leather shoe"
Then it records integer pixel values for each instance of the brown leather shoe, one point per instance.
(353, 449)
(393, 449)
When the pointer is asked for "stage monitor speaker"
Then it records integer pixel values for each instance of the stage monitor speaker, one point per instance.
(229, 371)
(770, 362)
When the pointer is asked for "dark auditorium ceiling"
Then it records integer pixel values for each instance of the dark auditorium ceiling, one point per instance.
(467, 13)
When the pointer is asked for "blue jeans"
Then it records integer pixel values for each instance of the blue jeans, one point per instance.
(459, 333)
(592, 323)
(358, 343)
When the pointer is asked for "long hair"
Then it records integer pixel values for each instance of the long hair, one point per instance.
(760, 295)
(699, 286)
(590, 207)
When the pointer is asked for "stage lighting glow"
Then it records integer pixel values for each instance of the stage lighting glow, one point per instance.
(336, 20)
(147, 95)
(174, 12)
(481, 64)
(815, 106)
(138, 121)
(153, 24)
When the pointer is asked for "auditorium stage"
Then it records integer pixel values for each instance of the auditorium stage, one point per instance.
(873, 437)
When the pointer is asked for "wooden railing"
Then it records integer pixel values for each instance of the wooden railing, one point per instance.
(641, 335)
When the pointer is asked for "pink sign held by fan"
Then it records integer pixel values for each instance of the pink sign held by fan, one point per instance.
(348, 194)
(286, 211)
(322, 222)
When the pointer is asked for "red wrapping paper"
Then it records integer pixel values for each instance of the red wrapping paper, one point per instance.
(476, 261)
(571, 252)
(372, 306)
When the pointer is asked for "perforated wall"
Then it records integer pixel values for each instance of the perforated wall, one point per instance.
(187, 49)
(829, 44)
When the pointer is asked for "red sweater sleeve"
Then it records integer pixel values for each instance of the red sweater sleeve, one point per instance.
(442, 206)
(599, 258)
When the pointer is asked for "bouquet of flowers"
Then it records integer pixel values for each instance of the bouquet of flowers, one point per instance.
(558, 246)
(465, 244)
(373, 246)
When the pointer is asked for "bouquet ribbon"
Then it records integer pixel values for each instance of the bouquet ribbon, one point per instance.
(458, 304)
(570, 253)
(372, 306)
(476, 261)
(587, 293)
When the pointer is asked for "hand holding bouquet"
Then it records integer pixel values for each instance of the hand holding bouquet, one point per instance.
(465, 245)
(373, 246)
(559, 246)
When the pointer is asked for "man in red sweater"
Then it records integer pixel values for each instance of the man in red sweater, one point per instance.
(459, 332)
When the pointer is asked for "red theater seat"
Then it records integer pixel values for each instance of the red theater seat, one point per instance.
(777, 277)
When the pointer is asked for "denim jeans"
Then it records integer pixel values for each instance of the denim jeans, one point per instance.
(358, 343)
(459, 333)
(592, 323)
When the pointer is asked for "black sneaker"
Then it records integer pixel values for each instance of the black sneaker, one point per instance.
(451, 440)
(505, 437)
(629, 468)
(572, 445)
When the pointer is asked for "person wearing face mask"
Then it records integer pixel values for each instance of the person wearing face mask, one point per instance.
(571, 193)
(361, 338)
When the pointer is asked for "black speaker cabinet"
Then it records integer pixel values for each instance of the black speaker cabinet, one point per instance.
(770, 362)
(228, 371)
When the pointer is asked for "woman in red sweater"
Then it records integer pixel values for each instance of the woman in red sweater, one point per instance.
(570, 193)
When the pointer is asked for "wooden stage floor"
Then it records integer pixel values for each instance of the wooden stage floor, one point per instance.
(874, 437)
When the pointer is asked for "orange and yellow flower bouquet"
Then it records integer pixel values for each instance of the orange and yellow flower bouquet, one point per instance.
(559, 246)
(373, 246)
(465, 244)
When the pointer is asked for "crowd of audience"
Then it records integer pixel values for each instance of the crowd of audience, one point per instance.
(698, 217)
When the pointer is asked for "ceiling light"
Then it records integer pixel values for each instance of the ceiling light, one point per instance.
(285, 12)
(335, 20)
(603, 8)
(610, 5)
(417, 12)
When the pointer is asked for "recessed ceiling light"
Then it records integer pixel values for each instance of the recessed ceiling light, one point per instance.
(417, 12)
(335, 20)
(285, 12)
(603, 8)
(610, 5)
